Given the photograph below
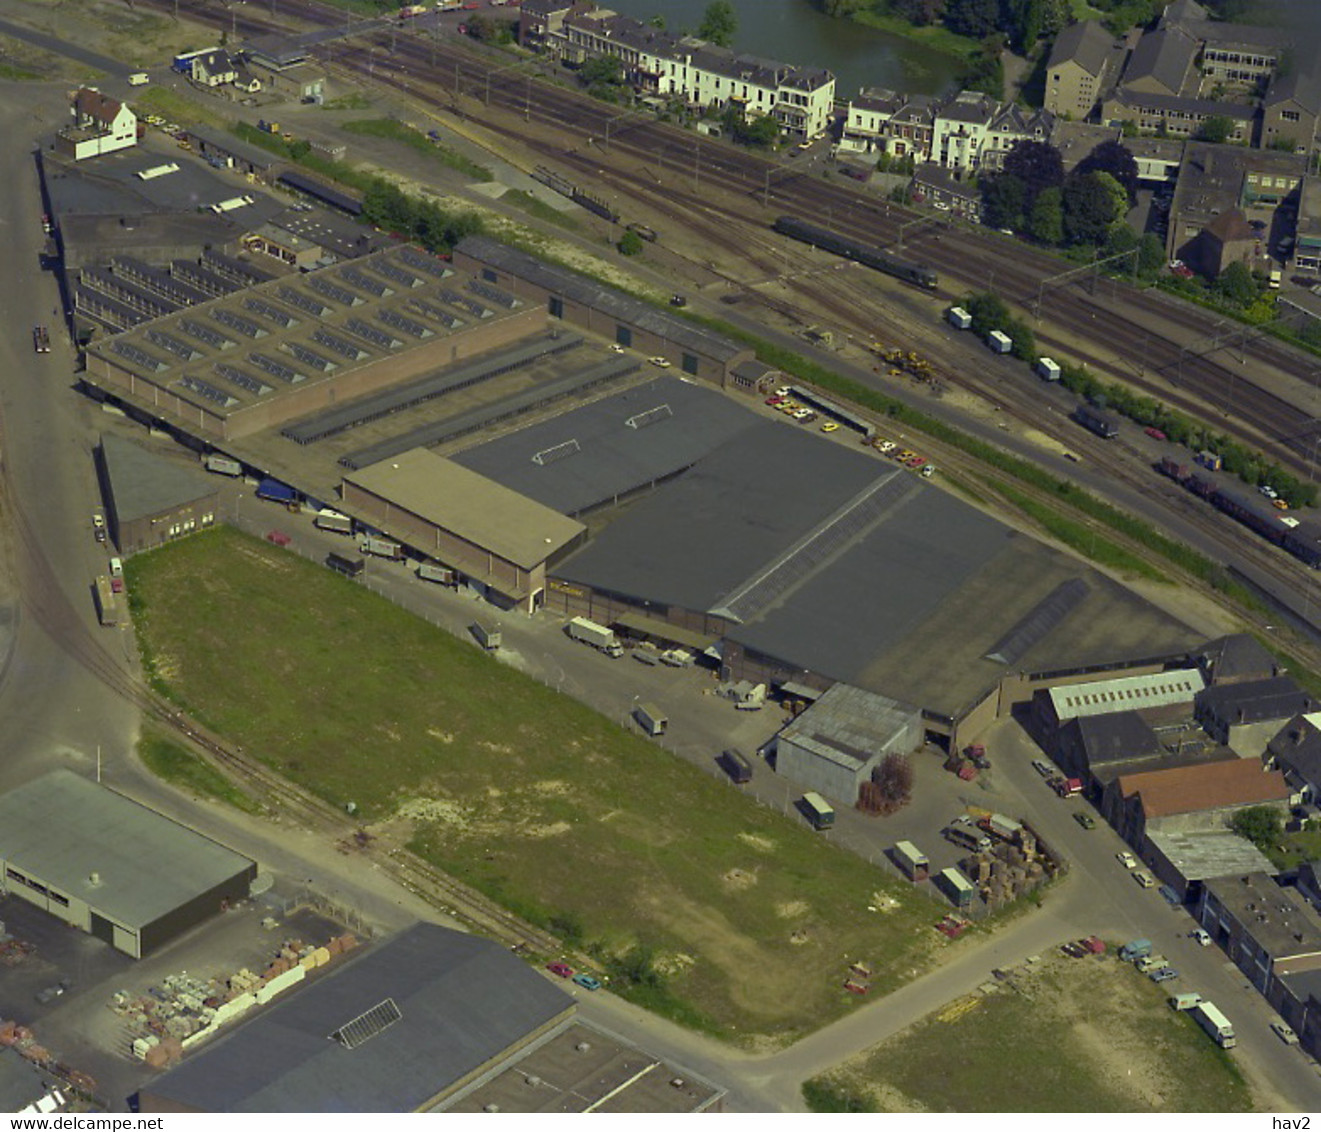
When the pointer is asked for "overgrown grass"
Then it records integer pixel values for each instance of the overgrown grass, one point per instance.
(396, 131)
(354, 100)
(934, 36)
(1019, 1050)
(175, 107)
(722, 914)
(539, 209)
(16, 74)
(168, 760)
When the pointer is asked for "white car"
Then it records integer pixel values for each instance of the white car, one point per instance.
(1201, 936)
(616, 348)
(1268, 491)
(1284, 1033)
(1143, 879)
(1127, 860)
(662, 363)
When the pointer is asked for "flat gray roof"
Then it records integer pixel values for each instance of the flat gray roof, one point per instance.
(848, 725)
(473, 507)
(611, 447)
(1210, 853)
(582, 289)
(458, 1001)
(144, 484)
(63, 830)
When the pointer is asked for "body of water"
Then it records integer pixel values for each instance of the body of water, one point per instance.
(793, 31)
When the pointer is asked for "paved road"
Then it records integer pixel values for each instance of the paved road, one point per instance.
(103, 63)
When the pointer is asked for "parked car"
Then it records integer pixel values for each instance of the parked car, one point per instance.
(1085, 819)
(587, 982)
(928, 471)
(1164, 975)
(1171, 897)
(1284, 1033)
(1154, 433)
(830, 426)
(1127, 860)
(1201, 935)
(52, 992)
(659, 362)
(1043, 768)
(1144, 879)
(562, 969)
(1268, 491)
(917, 462)
(774, 400)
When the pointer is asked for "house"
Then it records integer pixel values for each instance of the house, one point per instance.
(245, 80)
(1176, 116)
(1296, 751)
(1188, 798)
(213, 68)
(867, 120)
(101, 125)
(1162, 63)
(1083, 59)
(1236, 659)
(1010, 125)
(1229, 238)
(947, 191)
(1245, 717)
(1307, 231)
(960, 128)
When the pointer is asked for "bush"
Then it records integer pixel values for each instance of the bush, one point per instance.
(630, 243)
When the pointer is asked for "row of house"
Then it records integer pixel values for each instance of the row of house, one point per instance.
(1188, 68)
(661, 64)
(966, 132)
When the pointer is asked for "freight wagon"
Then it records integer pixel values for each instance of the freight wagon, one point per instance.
(1095, 421)
(916, 273)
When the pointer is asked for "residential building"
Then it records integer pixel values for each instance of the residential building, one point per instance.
(1229, 238)
(1307, 242)
(1189, 798)
(1010, 125)
(960, 128)
(1230, 52)
(946, 190)
(1296, 751)
(1236, 659)
(1162, 63)
(912, 127)
(1290, 111)
(213, 68)
(100, 125)
(1246, 717)
(1075, 140)
(867, 120)
(1176, 116)
(1083, 59)
(1158, 159)
(656, 62)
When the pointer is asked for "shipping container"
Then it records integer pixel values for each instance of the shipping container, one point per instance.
(381, 548)
(999, 342)
(1048, 368)
(956, 886)
(488, 636)
(107, 602)
(1215, 1024)
(435, 572)
(736, 765)
(223, 465)
(651, 719)
(911, 860)
(958, 318)
(334, 522)
(349, 567)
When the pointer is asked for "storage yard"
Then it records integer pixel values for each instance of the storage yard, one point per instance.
(1068, 1033)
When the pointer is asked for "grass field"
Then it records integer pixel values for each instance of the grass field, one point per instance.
(1070, 1035)
(745, 916)
(176, 108)
(539, 209)
(391, 130)
(166, 759)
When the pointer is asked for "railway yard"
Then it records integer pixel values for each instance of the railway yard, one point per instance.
(1018, 544)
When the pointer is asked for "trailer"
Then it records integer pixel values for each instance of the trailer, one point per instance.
(956, 886)
(223, 465)
(1220, 1029)
(1001, 826)
(334, 522)
(435, 572)
(1169, 466)
(999, 342)
(819, 812)
(349, 567)
(736, 765)
(107, 602)
(382, 548)
(1048, 369)
(278, 492)
(912, 861)
(598, 636)
(958, 318)
(488, 636)
(651, 719)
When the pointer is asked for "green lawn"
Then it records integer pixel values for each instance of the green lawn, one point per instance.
(391, 130)
(1075, 1035)
(539, 209)
(532, 797)
(174, 107)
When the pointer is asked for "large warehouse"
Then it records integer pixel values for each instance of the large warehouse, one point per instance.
(431, 1020)
(112, 867)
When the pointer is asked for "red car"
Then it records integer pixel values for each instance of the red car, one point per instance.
(916, 462)
(562, 969)
(774, 400)
(1155, 433)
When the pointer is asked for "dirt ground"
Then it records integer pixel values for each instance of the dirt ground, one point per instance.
(107, 27)
(1021, 1041)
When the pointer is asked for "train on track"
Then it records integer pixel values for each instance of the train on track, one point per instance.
(1299, 537)
(1093, 420)
(916, 273)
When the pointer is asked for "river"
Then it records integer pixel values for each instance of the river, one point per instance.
(793, 31)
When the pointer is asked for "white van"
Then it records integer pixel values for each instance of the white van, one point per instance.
(116, 568)
(139, 78)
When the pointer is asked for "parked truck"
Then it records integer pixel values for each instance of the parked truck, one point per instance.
(333, 521)
(435, 572)
(1135, 949)
(107, 602)
(651, 719)
(488, 636)
(278, 492)
(349, 567)
(819, 812)
(736, 765)
(1215, 1024)
(382, 548)
(223, 465)
(1002, 826)
(598, 636)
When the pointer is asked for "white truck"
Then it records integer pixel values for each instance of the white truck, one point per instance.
(333, 521)
(1215, 1024)
(598, 636)
(223, 465)
(381, 548)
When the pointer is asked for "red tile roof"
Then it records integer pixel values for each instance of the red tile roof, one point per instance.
(96, 106)
(1208, 786)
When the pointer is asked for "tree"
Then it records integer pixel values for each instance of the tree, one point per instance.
(658, 22)
(1037, 164)
(630, 243)
(1116, 159)
(1003, 200)
(920, 13)
(719, 23)
(1216, 129)
(974, 18)
(988, 312)
(1261, 825)
(894, 780)
(1092, 203)
(1151, 254)
(602, 69)
(1046, 221)
(1237, 285)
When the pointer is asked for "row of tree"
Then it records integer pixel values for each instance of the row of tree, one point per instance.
(388, 207)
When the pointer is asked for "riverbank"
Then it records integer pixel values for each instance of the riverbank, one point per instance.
(931, 37)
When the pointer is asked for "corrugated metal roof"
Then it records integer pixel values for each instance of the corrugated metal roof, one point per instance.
(65, 830)
(1126, 693)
